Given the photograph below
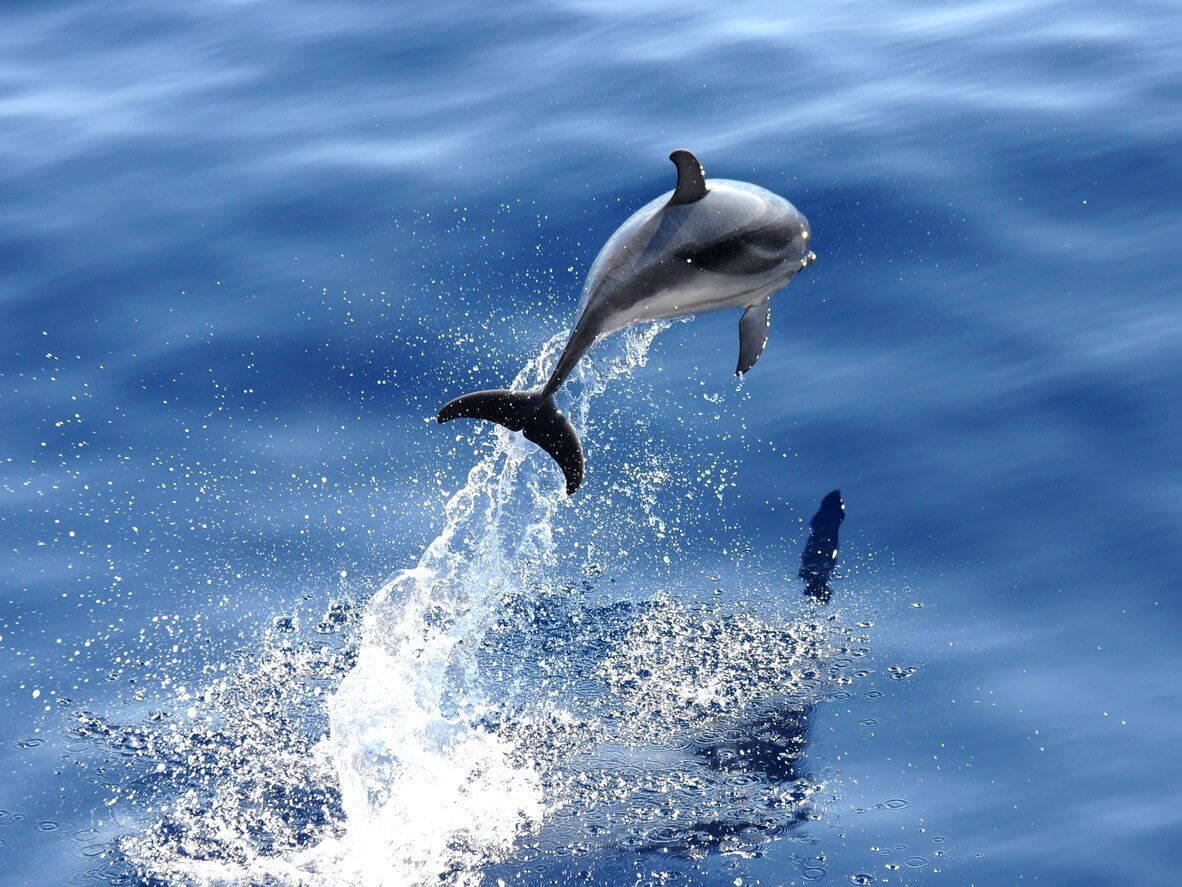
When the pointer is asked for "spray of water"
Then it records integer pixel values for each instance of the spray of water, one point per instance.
(426, 787)
(476, 712)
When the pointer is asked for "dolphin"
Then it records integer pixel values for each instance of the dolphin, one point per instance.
(820, 551)
(706, 245)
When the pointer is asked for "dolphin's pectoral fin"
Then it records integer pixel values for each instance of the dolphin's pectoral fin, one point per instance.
(753, 327)
(691, 178)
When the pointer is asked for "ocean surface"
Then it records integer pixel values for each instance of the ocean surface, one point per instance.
(262, 621)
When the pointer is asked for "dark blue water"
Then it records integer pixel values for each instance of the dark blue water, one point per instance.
(247, 250)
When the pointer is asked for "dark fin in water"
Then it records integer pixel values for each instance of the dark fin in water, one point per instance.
(753, 327)
(691, 178)
(541, 420)
(820, 552)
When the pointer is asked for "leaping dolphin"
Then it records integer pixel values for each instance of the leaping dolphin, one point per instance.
(707, 245)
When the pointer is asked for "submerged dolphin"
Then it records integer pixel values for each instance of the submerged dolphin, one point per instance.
(706, 245)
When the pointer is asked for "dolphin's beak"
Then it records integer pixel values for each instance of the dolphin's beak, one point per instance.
(808, 260)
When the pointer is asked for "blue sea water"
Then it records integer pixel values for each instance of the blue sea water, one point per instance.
(246, 251)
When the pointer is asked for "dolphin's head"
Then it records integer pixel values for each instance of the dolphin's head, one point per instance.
(806, 236)
(782, 234)
(794, 232)
(744, 230)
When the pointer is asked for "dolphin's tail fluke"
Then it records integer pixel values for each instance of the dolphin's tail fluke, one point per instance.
(526, 411)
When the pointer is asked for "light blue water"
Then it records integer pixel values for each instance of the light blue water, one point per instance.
(247, 250)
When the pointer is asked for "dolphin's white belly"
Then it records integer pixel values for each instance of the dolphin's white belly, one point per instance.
(708, 292)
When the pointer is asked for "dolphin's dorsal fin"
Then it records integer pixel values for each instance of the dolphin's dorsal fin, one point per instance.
(691, 178)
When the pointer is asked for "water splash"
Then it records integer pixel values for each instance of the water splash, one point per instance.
(477, 713)
(427, 789)
(225, 786)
